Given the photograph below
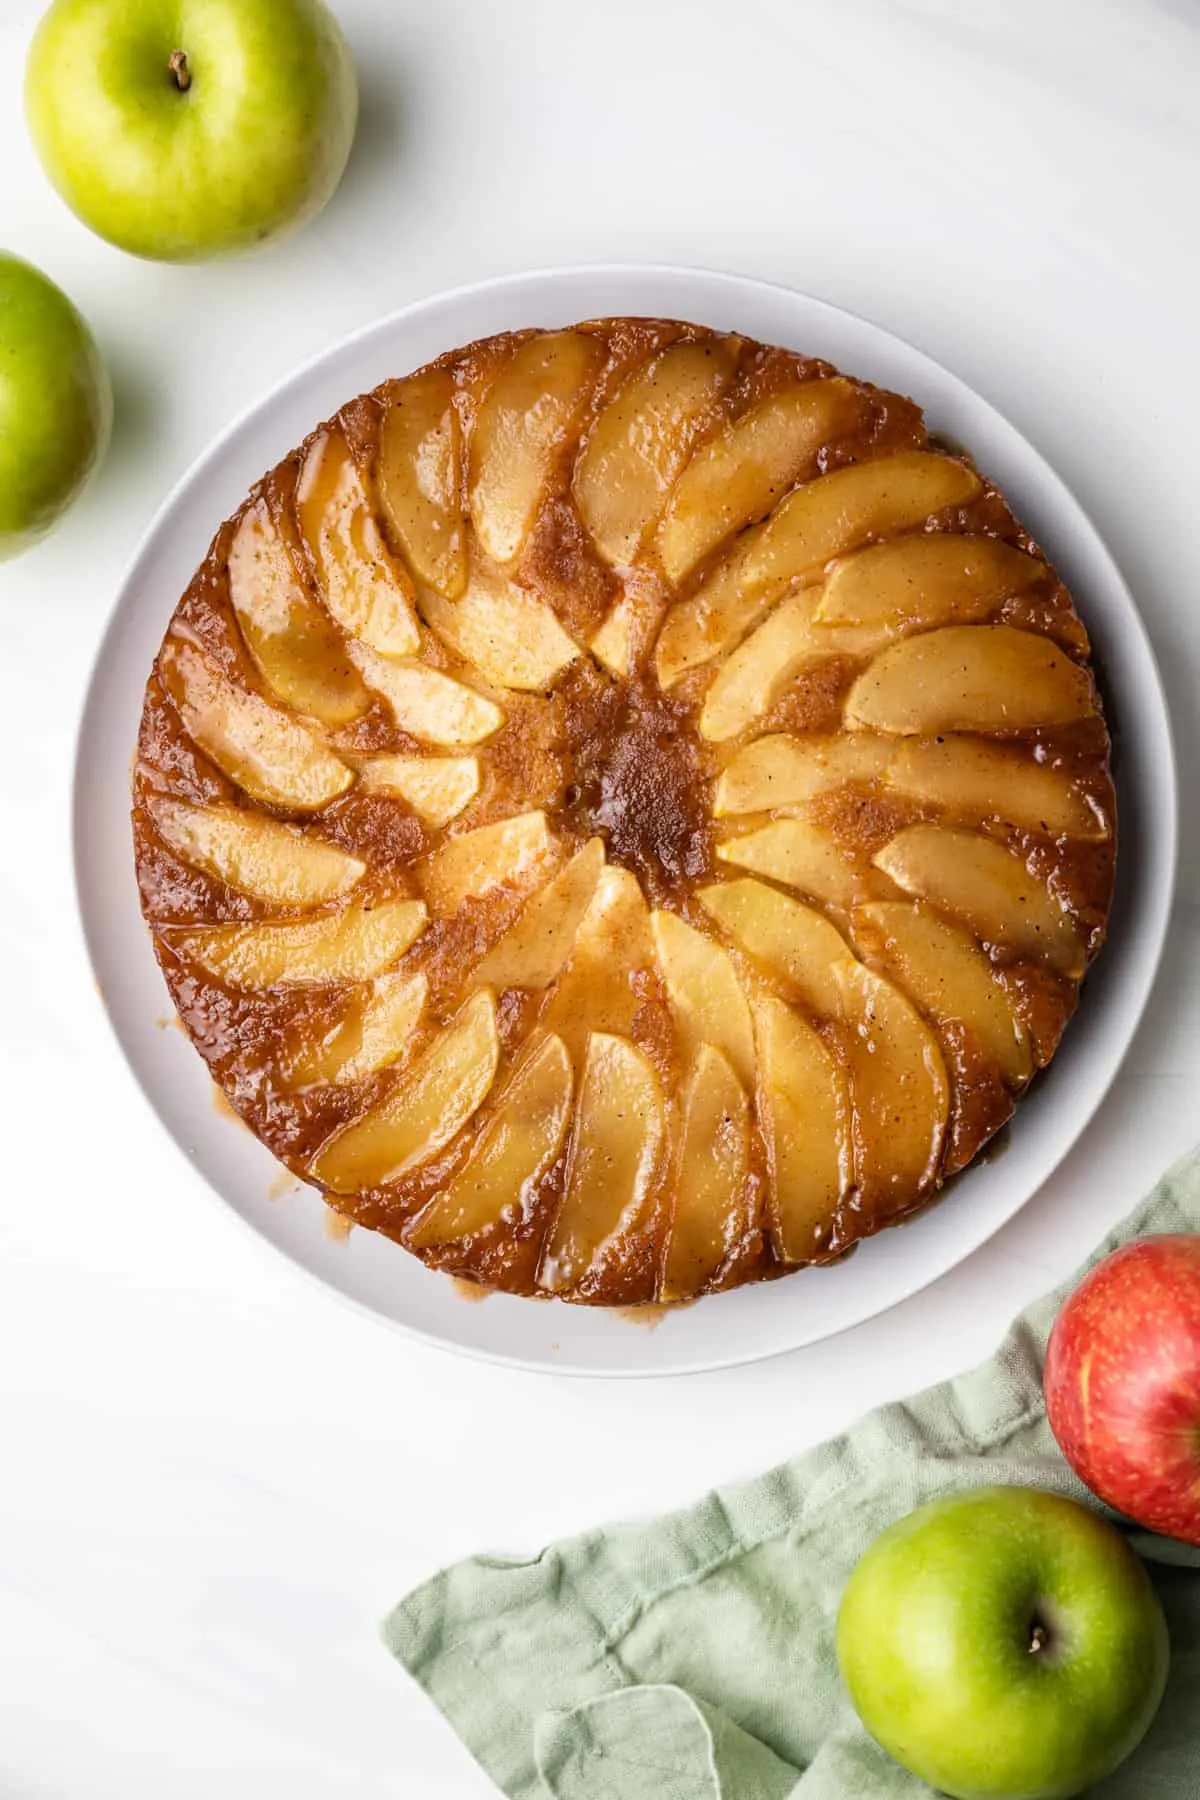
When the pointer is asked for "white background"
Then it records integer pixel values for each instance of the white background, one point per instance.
(213, 1478)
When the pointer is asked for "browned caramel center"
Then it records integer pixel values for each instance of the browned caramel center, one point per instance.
(637, 779)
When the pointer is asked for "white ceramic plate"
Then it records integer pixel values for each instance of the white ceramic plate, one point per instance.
(752, 1322)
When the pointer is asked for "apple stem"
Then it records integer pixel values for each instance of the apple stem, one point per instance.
(178, 65)
(1039, 1637)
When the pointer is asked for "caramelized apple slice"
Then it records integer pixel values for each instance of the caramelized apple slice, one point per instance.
(801, 856)
(427, 704)
(529, 409)
(743, 472)
(931, 578)
(804, 1106)
(641, 440)
(988, 678)
(363, 588)
(534, 950)
(706, 995)
(820, 520)
(299, 651)
(419, 476)
(793, 943)
(515, 1148)
(429, 1105)
(947, 973)
(271, 756)
(901, 1092)
(627, 633)
(512, 639)
(256, 856)
(436, 787)
(619, 1131)
(511, 850)
(787, 771)
(959, 773)
(710, 1189)
(354, 945)
(758, 671)
(596, 991)
(978, 780)
(613, 643)
(375, 1031)
(989, 888)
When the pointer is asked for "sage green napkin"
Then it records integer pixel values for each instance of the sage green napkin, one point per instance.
(691, 1658)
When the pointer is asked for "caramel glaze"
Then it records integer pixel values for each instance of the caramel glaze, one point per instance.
(600, 755)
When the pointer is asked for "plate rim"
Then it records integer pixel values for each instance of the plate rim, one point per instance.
(1152, 917)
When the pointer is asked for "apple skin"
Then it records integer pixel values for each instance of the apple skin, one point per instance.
(56, 405)
(934, 1641)
(252, 149)
(1122, 1383)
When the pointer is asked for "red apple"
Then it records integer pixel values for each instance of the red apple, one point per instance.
(1123, 1383)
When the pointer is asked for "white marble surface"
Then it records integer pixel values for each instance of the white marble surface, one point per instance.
(214, 1479)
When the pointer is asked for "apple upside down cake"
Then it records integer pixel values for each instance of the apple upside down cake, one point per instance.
(624, 812)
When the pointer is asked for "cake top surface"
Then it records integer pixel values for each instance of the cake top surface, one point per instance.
(624, 811)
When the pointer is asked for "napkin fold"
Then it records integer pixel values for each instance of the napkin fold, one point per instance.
(692, 1657)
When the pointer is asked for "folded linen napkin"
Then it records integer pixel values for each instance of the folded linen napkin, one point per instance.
(691, 1658)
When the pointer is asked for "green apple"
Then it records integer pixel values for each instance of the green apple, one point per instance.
(1003, 1644)
(185, 129)
(55, 405)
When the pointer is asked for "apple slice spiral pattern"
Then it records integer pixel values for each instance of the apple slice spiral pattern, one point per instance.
(623, 812)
